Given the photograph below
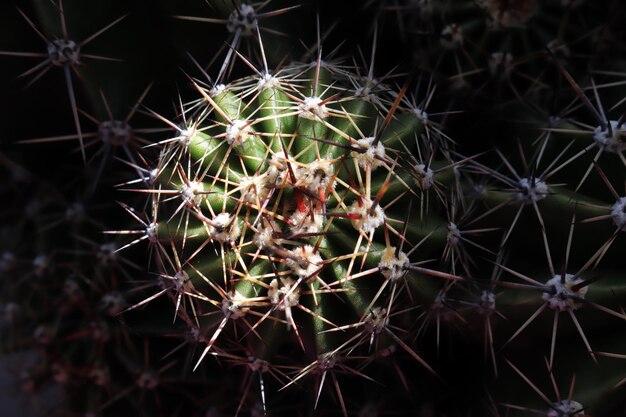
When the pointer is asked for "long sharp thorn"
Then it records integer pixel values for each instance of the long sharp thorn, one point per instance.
(412, 353)
(555, 325)
(70, 92)
(526, 323)
(529, 382)
(63, 23)
(582, 334)
(101, 31)
(213, 339)
(391, 112)
(579, 92)
(319, 391)
(570, 394)
(338, 390)
(32, 25)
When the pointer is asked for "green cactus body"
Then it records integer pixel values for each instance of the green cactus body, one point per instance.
(319, 239)
(289, 201)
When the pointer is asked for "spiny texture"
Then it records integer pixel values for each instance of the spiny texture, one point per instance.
(488, 47)
(322, 236)
(279, 216)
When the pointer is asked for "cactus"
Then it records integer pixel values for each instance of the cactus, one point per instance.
(277, 210)
(318, 235)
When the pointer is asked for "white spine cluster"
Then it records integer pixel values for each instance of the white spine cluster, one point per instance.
(182, 281)
(107, 254)
(283, 295)
(487, 302)
(192, 193)
(532, 190)
(392, 266)
(566, 408)
(243, 18)
(372, 155)
(266, 81)
(368, 90)
(306, 263)
(63, 51)
(113, 303)
(217, 89)
(315, 175)
(424, 176)
(363, 218)
(254, 189)
(237, 132)
(264, 237)
(618, 213)
(115, 132)
(313, 108)
(376, 320)
(451, 37)
(563, 296)
(152, 231)
(187, 135)
(611, 140)
(454, 234)
(306, 222)
(235, 305)
(41, 263)
(278, 168)
(224, 228)
(421, 114)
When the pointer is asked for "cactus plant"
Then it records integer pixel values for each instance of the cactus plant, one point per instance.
(317, 236)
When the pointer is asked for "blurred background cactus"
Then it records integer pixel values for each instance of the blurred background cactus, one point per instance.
(308, 208)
